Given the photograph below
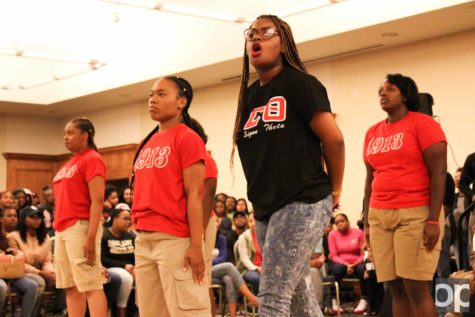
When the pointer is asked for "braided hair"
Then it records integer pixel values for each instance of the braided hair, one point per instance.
(85, 125)
(184, 90)
(290, 57)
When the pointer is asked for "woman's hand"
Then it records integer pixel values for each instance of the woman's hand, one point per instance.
(90, 252)
(431, 236)
(49, 276)
(194, 258)
(349, 269)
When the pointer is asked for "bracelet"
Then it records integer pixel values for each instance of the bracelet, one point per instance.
(432, 222)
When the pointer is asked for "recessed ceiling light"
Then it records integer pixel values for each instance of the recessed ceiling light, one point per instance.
(389, 34)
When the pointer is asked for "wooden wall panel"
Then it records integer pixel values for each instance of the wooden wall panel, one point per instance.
(35, 171)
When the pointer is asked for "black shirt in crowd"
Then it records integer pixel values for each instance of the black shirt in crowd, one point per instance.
(117, 252)
(280, 155)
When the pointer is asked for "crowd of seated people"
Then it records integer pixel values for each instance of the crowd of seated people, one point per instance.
(27, 234)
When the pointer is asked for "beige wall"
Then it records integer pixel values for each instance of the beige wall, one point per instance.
(443, 67)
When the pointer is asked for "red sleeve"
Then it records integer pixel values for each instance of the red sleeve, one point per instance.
(94, 166)
(333, 250)
(428, 132)
(211, 168)
(191, 148)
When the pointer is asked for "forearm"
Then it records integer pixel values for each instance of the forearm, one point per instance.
(195, 219)
(334, 156)
(437, 191)
(95, 216)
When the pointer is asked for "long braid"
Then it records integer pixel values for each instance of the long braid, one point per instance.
(85, 125)
(290, 58)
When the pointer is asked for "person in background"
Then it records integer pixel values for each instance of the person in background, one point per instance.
(221, 197)
(241, 205)
(48, 206)
(230, 206)
(79, 193)
(239, 226)
(9, 219)
(32, 239)
(127, 196)
(117, 253)
(19, 195)
(6, 199)
(26, 286)
(111, 199)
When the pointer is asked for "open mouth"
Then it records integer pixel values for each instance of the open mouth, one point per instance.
(256, 49)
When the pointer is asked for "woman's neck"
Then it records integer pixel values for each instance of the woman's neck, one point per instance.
(266, 74)
(31, 232)
(397, 114)
(116, 233)
(169, 124)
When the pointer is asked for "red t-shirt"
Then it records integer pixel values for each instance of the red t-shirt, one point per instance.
(71, 190)
(211, 171)
(159, 197)
(394, 150)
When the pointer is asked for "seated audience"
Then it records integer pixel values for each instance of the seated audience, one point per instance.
(126, 196)
(239, 226)
(111, 199)
(32, 240)
(117, 254)
(6, 199)
(241, 205)
(227, 274)
(249, 256)
(347, 256)
(9, 219)
(25, 286)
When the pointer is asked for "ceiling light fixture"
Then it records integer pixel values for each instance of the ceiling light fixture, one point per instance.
(178, 9)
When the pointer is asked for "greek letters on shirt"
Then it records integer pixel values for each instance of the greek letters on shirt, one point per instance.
(120, 246)
(65, 172)
(381, 145)
(156, 157)
(274, 111)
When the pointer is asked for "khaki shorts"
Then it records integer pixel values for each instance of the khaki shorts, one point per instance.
(397, 243)
(70, 262)
(210, 240)
(162, 287)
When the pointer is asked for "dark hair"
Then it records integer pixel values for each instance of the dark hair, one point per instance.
(220, 194)
(343, 215)
(290, 57)
(408, 89)
(459, 169)
(109, 190)
(115, 214)
(245, 202)
(198, 128)
(184, 90)
(85, 125)
(40, 232)
(16, 191)
(121, 196)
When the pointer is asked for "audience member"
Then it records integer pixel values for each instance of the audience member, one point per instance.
(230, 206)
(239, 224)
(117, 254)
(9, 219)
(6, 199)
(220, 197)
(126, 196)
(347, 256)
(241, 205)
(249, 261)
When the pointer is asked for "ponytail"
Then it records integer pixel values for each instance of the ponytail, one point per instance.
(147, 138)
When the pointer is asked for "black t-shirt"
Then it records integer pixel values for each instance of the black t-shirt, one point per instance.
(280, 155)
(117, 252)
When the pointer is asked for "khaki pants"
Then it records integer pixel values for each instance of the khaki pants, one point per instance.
(70, 262)
(163, 289)
(397, 243)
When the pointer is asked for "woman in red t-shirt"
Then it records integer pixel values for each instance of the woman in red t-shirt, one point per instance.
(79, 193)
(406, 163)
(169, 173)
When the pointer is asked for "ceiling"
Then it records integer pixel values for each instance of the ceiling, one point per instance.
(64, 57)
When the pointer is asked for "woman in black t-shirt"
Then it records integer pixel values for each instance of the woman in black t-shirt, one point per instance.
(283, 128)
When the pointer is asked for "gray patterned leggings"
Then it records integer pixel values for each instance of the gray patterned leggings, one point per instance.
(287, 241)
